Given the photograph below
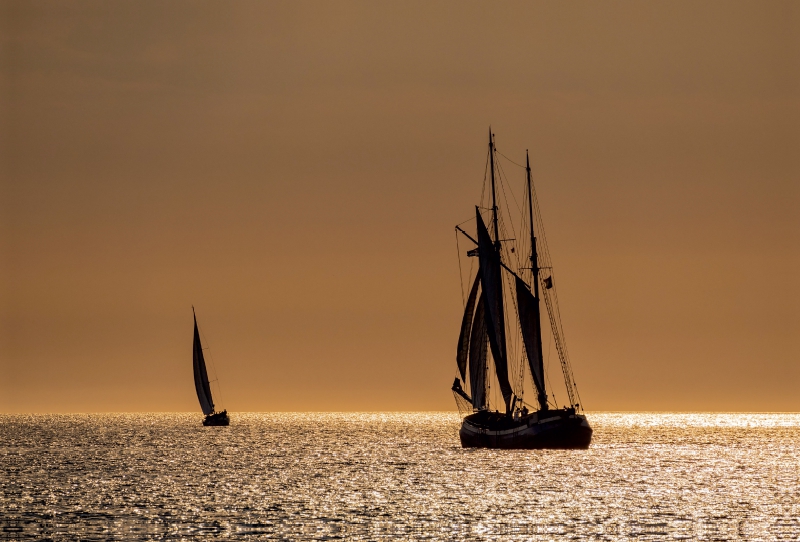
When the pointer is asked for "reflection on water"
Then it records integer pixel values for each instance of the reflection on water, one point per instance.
(396, 475)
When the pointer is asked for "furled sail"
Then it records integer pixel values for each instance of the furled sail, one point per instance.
(200, 375)
(477, 357)
(492, 283)
(530, 325)
(466, 321)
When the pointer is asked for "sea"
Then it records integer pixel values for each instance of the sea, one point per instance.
(376, 476)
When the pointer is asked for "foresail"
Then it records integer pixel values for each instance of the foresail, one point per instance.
(492, 283)
(477, 357)
(530, 325)
(201, 376)
(466, 322)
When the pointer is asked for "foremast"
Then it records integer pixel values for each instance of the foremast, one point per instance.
(497, 246)
(490, 269)
(483, 323)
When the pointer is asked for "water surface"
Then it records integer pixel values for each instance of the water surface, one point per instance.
(395, 475)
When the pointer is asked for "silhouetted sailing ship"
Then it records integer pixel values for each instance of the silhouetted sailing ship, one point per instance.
(201, 384)
(516, 346)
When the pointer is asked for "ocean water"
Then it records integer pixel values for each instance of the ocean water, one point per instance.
(368, 476)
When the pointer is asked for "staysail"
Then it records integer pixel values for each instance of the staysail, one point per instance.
(200, 375)
(530, 325)
(477, 357)
(466, 321)
(492, 283)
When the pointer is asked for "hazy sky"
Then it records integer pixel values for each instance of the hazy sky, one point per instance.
(295, 170)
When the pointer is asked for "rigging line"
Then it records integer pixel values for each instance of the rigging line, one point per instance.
(489, 392)
(510, 189)
(472, 263)
(528, 248)
(502, 221)
(541, 229)
(521, 378)
(554, 313)
(510, 160)
(547, 372)
(537, 217)
(513, 343)
(213, 364)
(511, 256)
(473, 216)
(563, 337)
(560, 346)
(471, 267)
(519, 346)
(504, 182)
(485, 174)
(566, 353)
(508, 211)
(460, 275)
(509, 342)
(521, 356)
(467, 220)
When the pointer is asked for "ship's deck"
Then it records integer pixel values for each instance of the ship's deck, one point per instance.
(498, 421)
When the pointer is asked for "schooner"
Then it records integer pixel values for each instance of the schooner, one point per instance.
(519, 271)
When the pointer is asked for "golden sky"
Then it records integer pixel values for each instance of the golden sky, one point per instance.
(295, 170)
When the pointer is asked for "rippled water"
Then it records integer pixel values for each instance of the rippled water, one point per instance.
(396, 475)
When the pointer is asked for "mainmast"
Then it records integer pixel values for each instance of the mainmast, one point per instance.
(535, 279)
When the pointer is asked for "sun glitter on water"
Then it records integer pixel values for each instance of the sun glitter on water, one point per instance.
(363, 476)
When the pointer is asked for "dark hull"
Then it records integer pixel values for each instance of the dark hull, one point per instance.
(553, 429)
(217, 418)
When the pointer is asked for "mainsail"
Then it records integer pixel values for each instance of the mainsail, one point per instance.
(477, 357)
(492, 283)
(529, 323)
(463, 338)
(200, 375)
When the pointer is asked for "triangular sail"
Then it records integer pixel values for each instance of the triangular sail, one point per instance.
(530, 325)
(492, 283)
(463, 338)
(477, 357)
(200, 375)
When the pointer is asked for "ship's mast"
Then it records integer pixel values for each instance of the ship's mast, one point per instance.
(494, 202)
(497, 248)
(534, 256)
(494, 222)
(535, 280)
